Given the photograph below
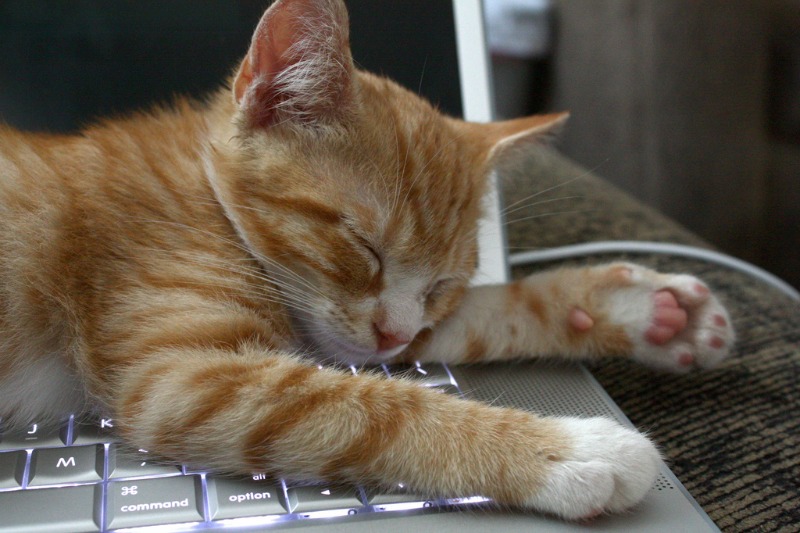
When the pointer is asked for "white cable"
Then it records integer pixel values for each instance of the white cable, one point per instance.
(644, 247)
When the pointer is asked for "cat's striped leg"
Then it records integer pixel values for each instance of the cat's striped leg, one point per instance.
(256, 411)
(663, 320)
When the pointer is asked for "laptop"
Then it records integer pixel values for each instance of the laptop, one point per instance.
(77, 477)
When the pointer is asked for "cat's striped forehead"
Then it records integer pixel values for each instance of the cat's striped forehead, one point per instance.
(435, 173)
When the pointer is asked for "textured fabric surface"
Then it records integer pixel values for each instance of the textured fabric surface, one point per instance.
(731, 434)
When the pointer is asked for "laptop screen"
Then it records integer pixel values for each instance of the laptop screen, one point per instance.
(65, 63)
(418, 51)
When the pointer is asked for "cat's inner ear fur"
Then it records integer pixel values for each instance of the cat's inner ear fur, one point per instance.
(299, 67)
(503, 136)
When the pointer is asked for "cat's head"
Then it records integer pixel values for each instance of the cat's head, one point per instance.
(358, 197)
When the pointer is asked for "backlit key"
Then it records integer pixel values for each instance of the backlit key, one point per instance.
(149, 502)
(12, 467)
(94, 431)
(72, 464)
(34, 436)
(314, 498)
(73, 509)
(399, 494)
(430, 375)
(124, 462)
(236, 498)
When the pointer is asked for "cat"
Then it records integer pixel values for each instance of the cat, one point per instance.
(186, 269)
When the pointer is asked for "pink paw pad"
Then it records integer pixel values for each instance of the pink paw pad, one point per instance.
(580, 320)
(686, 360)
(701, 289)
(669, 319)
(716, 342)
(591, 517)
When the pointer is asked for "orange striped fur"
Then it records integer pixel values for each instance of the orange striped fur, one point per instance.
(185, 268)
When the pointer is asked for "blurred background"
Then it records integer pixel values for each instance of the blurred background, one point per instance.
(692, 106)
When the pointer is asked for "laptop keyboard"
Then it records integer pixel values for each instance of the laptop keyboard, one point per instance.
(77, 477)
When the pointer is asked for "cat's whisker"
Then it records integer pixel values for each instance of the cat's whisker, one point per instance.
(550, 214)
(254, 253)
(421, 171)
(539, 193)
(556, 186)
(285, 272)
(398, 181)
(289, 294)
(181, 225)
(540, 202)
(258, 291)
(422, 75)
(258, 256)
(384, 178)
(289, 274)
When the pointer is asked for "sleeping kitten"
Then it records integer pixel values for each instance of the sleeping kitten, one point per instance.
(184, 270)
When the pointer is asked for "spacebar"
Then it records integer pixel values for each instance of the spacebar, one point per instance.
(46, 510)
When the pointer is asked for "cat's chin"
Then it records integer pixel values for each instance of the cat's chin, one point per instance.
(339, 350)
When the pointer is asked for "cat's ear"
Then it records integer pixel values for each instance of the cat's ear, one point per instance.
(299, 67)
(497, 138)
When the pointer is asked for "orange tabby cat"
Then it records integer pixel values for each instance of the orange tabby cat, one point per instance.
(181, 269)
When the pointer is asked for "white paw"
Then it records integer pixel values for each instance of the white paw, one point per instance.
(607, 468)
(674, 321)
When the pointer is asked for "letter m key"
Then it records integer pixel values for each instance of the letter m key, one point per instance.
(77, 464)
(65, 462)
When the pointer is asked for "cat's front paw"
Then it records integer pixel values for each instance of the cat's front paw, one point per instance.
(673, 321)
(606, 468)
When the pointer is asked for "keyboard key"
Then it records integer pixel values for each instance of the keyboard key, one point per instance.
(322, 498)
(125, 462)
(73, 509)
(12, 468)
(34, 436)
(72, 464)
(149, 502)
(434, 375)
(94, 431)
(237, 498)
(397, 494)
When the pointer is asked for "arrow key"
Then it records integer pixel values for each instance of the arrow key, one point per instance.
(313, 498)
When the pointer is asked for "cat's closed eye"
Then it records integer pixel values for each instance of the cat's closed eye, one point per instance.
(438, 288)
(365, 245)
(369, 252)
(375, 256)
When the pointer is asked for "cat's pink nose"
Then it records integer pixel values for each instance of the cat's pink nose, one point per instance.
(388, 340)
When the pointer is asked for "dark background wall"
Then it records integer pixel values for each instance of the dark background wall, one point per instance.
(694, 107)
(66, 62)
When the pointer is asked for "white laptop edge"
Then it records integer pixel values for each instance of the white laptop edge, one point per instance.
(478, 106)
